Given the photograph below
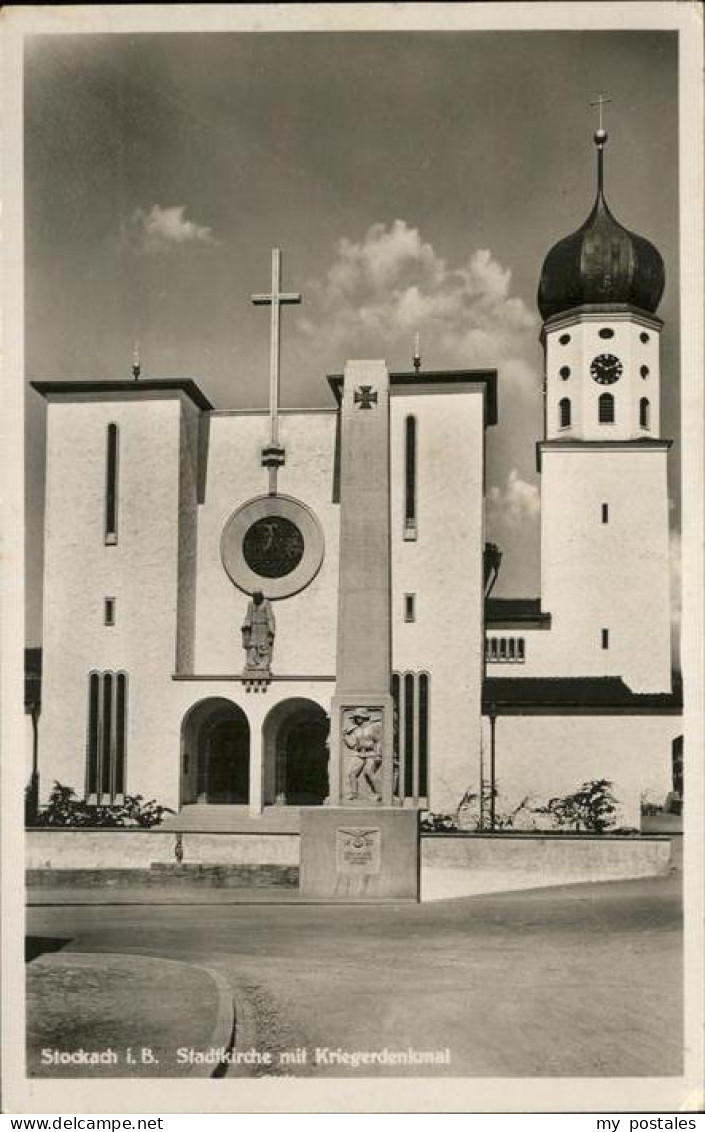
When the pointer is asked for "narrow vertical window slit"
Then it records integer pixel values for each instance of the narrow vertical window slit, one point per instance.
(409, 712)
(410, 478)
(120, 729)
(106, 737)
(111, 485)
(423, 734)
(93, 733)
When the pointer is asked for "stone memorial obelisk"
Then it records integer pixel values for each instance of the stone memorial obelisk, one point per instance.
(364, 654)
(361, 845)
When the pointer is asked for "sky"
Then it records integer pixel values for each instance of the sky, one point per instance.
(414, 181)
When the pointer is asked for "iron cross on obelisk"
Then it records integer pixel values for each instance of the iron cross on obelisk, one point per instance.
(273, 453)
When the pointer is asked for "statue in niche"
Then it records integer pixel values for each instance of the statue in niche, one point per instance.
(362, 735)
(258, 631)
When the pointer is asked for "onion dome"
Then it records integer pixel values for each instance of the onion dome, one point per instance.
(601, 263)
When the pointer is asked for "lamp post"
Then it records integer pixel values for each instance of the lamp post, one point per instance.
(481, 824)
(493, 722)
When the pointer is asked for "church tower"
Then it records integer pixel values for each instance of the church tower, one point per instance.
(604, 522)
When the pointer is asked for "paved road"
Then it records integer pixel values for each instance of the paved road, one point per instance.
(576, 981)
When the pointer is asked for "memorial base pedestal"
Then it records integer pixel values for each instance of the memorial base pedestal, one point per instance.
(351, 853)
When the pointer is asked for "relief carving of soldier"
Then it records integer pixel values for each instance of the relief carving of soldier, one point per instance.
(362, 734)
(258, 630)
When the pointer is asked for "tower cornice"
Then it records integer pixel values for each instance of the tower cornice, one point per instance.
(599, 312)
(639, 444)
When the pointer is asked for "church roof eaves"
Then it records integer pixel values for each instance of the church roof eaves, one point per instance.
(410, 378)
(148, 385)
(519, 612)
(600, 695)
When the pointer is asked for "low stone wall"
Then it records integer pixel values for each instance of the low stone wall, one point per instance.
(451, 864)
(64, 849)
(470, 864)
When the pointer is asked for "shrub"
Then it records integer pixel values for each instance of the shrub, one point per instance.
(438, 823)
(466, 818)
(590, 809)
(468, 812)
(64, 808)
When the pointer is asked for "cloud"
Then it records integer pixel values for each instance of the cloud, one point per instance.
(676, 564)
(383, 287)
(163, 228)
(675, 554)
(391, 283)
(518, 504)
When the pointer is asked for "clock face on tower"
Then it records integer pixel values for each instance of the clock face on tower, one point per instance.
(605, 369)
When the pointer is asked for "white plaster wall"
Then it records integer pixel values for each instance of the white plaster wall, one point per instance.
(138, 849)
(543, 655)
(611, 575)
(467, 866)
(97, 849)
(140, 572)
(188, 538)
(546, 756)
(443, 567)
(241, 849)
(306, 623)
(585, 344)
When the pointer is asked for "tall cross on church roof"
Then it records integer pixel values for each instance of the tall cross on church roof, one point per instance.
(273, 453)
(600, 101)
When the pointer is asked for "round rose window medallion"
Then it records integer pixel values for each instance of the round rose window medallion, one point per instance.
(273, 547)
(273, 544)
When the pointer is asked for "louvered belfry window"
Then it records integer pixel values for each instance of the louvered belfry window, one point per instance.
(605, 409)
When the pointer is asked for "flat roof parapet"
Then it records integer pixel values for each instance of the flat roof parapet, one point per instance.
(79, 390)
(430, 381)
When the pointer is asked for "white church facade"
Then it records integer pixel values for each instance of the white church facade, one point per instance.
(165, 515)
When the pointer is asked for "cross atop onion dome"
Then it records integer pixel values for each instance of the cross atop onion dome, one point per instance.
(602, 263)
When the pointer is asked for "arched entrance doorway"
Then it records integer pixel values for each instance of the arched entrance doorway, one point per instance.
(295, 744)
(215, 754)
